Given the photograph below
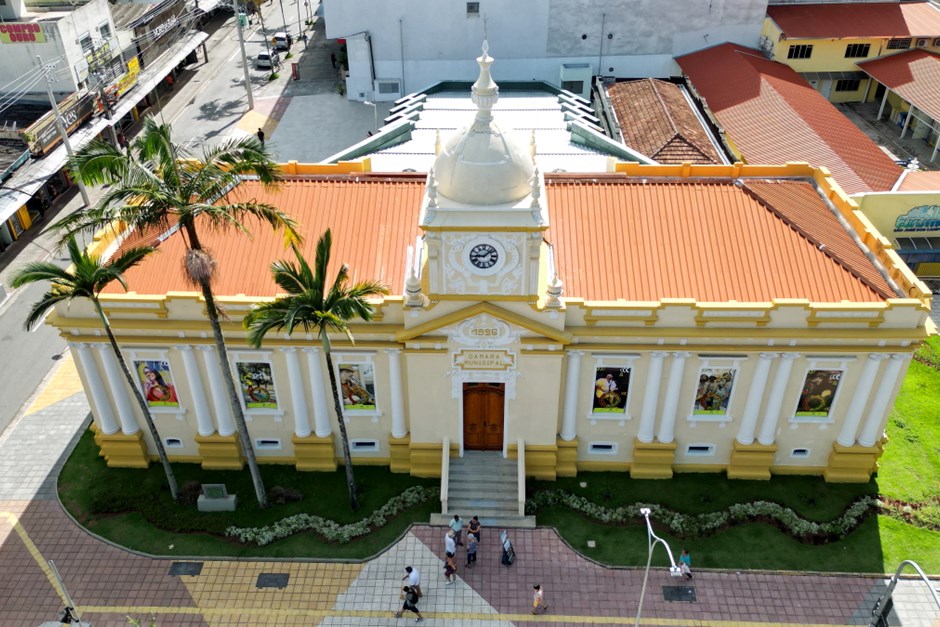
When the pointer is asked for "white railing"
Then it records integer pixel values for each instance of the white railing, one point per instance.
(445, 474)
(520, 444)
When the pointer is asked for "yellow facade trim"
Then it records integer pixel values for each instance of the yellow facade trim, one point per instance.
(592, 466)
(481, 308)
(313, 453)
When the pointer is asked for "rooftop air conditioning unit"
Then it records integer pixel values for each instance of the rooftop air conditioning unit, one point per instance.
(922, 43)
(936, 42)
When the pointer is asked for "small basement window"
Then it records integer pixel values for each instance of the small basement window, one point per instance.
(473, 8)
(702, 450)
(799, 452)
(268, 443)
(363, 445)
(603, 448)
(173, 443)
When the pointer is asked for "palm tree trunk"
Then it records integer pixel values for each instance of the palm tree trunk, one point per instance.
(240, 424)
(142, 403)
(338, 405)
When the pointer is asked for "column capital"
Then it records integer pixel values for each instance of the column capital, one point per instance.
(206, 348)
(183, 347)
(659, 354)
(790, 356)
(769, 355)
(288, 349)
(878, 356)
(575, 353)
(681, 354)
(393, 351)
(311, 349)
(902, 355)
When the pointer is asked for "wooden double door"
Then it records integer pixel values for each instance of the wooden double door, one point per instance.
(483, 405)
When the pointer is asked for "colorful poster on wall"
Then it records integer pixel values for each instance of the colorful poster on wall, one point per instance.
(357, 386)
(156, 381)
(819, 390)
(257, 383)
(714, 391)
(611, 384)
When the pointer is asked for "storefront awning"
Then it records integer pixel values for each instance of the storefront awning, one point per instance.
(915, 250)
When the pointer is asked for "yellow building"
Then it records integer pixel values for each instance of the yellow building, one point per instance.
(647, 319)
(825, 42)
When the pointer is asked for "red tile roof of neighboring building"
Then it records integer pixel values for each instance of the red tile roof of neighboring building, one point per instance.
(857, 19)
(914, 75)
(927, 181)
(616, 237)
(656, 119)
(374, 218)
(772, 115)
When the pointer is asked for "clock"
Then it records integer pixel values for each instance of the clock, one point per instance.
(483, 256)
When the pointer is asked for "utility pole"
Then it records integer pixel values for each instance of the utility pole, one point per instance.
(60, 125)
(283, 17)
(300, 25)
(107, 112)
(241, 42)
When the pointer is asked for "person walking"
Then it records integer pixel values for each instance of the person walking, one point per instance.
(410, 604)
(539, 606)
(685, 564)
(474, 527)
(260, 135)
(456, 526)
(450, 569)
(333, 59)
(471, 550)
(450, 546)
(413, 577)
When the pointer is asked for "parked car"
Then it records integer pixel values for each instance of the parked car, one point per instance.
(282, 41)
(267, 61)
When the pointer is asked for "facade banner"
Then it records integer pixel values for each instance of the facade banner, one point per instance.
(257, 384)
(156, 381)
(22, 33)
(42, 136)
(714, 391)
(819, 390)
(357, 386)
(611, 384)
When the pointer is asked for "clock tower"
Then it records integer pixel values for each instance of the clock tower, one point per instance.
(484, 212)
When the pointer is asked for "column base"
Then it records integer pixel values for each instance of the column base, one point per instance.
(399, 452)
(751, 461)
(97, 437)
(567, 458)
(124, 451)
(652, 460)
(852, 464)
(426, 458)
(220, 452)
(314, 453)
(541, 460)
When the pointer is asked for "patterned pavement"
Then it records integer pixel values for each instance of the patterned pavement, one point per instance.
(108, 583)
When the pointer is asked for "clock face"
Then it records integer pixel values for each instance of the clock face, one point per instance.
(483, 256)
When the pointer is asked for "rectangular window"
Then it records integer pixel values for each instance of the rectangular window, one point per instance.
(173, 443)
(388, 87)
(857, 51)
(702, 450)
(800, 51)
(363, 445)
(899, 44)
(575, 87)
(848, 84)
(105, 30)
(603, 448)
(268, 443)
(473, 8)
(85, 42)
(799, 452)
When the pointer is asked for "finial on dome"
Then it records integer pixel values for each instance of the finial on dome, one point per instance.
(485, 91)
(432, 189)
(532, 145)
(437, 142)
(413, 296)
(535, 189)
(554, 291)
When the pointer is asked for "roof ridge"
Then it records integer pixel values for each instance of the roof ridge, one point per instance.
(821, 246)
(662, 103)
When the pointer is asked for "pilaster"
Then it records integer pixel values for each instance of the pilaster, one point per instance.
(652, 460)
(751, 461)
(399, 453)
(541, 460)
(426, 458)
(220, 452)
(122, 450)
(314, 453)
(567, 465)
(852, 464)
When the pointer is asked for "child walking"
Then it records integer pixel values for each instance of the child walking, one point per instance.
(539, 606)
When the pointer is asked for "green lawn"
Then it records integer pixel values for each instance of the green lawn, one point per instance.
(99, 496)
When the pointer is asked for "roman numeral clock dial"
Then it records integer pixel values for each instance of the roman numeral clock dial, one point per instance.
(483, 256)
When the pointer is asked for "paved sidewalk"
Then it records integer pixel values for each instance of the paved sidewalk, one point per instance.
(109, 583)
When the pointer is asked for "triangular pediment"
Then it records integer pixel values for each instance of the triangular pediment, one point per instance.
(480, 310)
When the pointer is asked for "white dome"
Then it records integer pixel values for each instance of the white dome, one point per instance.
(480, 164)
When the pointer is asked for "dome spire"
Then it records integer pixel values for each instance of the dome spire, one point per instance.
(485, 92)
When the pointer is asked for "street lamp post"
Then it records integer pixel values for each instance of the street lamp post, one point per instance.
(375, 113)
(652, 540)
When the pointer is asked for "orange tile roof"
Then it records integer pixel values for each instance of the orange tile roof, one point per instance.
(914, 75)
(857, 19)
(374, 218)
(657, 120)
(616, 237)
(772, 115)
(928, 181)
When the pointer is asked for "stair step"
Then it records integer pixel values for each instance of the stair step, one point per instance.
(456, 489)
(491, 522)
(483, 471)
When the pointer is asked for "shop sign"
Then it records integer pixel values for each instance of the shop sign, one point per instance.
(162, 29)
(42, 136)
(920, 218)
(124, 84)
(484, 360)
(22, 33)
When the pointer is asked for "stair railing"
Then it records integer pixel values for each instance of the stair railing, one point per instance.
(520, 447)
(445, 474)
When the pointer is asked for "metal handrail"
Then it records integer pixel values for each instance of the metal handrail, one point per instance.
(520, 447)
(884, 603)
(445, 474)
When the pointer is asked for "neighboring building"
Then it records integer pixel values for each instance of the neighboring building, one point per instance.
(651, 319)
(147, 31)
(769, 114)
(399, 47)
(825, 42)
(910, 86)
(659, 119)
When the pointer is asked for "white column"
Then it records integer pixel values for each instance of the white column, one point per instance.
(907, 120)
(569, 417)
(321, 414)
(667, 425)
(220, 400)
(399, 430)
(853, 415)
(877, 413)
(197, 389)
(768, 429)
(754, 397)
(116, 382)
(651, 397)
(298, 396)
(96, 389)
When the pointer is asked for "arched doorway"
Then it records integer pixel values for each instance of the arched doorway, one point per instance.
(483, 405)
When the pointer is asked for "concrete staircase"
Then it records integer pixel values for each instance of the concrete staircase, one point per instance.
(484, 484)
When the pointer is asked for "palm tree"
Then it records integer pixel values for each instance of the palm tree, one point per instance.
(157, 184)
(86, 278)
(313, 305)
